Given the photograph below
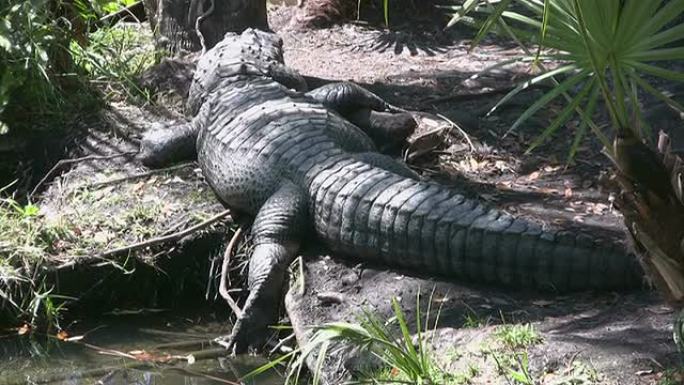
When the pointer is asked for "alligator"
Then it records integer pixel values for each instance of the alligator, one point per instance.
(291, 160)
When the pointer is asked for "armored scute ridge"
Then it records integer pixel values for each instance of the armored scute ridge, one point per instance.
(295, 159)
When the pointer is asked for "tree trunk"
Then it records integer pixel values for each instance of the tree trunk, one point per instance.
(652, 203)
(174, 21)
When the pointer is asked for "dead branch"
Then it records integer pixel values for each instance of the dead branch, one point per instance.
(224, 273)
(460, 130)
(166, 238)
(468, 95)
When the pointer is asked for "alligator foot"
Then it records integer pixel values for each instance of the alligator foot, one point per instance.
(384, 123)
(261, 309)
(388, 130)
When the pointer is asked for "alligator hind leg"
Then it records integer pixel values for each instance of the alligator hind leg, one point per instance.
(387, 129)
(346, 97)
(367, 111)
(277, 230)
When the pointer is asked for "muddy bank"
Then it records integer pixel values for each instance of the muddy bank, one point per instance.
(87, 241)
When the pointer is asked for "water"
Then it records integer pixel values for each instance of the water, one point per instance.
(95, 359)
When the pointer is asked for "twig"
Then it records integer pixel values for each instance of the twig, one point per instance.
(465, 135)
(224, 274)
(65, 162)
(168, 333)
(184, 344)
(138, 176)
(207, 354)
(134, 11)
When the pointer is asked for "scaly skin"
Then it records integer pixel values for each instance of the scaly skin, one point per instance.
(292, 161)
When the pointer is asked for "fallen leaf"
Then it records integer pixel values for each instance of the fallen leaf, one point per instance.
(24, 329)
(62, 335)
(568, 192)
(533, 176)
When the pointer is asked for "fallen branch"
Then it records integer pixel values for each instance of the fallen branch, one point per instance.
(185, 344)
(468, 95)
(154, 241)
(134, 12)
(223, 289)
(166, 238)
(59, 165)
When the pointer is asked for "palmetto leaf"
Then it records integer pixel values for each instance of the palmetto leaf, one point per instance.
(614, 42)
(549, 96)
(563, 116)
(530, 82)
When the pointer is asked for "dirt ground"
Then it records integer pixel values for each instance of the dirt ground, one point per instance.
(622, 338)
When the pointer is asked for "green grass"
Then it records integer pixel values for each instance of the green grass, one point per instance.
(50, 73)
(25, 240)
(517, 336)
(672, 376)
(114, 58)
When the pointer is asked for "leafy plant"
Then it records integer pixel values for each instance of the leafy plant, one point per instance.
(609, 49)
(113, 59)
(38, 76)
(609, 53)
(405, 360)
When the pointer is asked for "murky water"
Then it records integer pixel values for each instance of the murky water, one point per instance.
(156, 351)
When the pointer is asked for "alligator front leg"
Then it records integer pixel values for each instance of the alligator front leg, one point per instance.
(277, 230)
(166, 144)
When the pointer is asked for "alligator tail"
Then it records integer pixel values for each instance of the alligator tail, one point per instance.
(366, 212)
